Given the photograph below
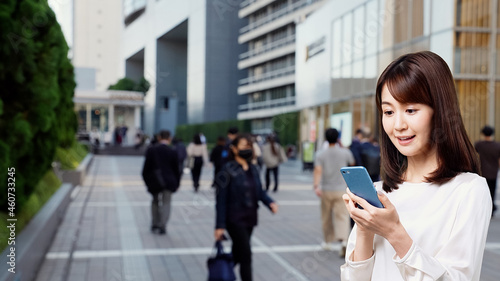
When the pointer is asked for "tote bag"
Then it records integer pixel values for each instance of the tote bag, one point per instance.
(220, 266)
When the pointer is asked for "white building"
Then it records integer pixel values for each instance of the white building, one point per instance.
(269, 60)
(188, 50)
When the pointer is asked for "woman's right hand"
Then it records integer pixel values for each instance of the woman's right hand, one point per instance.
(218, 234)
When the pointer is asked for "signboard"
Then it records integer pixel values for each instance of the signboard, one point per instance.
(343, 123)
(308, 152)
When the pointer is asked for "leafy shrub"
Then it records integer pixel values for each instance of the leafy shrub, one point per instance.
(36, 102)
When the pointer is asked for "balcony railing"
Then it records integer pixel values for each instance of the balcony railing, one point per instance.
(267, 104)
(269, 75)
(246, 3)
(269, 47)
(278, 14)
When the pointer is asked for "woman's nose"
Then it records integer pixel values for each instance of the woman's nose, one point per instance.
(400, 122)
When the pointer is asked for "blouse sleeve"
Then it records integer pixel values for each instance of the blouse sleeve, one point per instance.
(356, 270)
(461, 257)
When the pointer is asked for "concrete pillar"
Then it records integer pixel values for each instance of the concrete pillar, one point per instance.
(111, 118)
(88, 121)
(137, 117)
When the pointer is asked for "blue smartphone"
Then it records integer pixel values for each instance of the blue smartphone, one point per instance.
(359, 182)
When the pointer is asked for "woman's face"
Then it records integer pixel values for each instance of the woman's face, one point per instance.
(408, 125)
(242, 145)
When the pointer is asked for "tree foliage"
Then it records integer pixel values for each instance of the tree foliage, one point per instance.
(36, 101)
(127, 84)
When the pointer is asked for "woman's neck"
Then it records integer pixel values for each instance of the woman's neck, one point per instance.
(420, 167)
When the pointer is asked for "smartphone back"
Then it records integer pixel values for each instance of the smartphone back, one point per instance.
(359, 182)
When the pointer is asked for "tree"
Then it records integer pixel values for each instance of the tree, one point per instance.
(127, 84)
(36, 101)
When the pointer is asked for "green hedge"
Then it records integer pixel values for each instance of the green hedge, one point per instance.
(36, 101)
(287, 127)
(211, 130)
(70, 158)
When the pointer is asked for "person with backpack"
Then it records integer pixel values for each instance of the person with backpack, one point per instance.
(370, 158)
(216, 157)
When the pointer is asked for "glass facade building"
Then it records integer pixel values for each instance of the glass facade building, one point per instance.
(362, 37)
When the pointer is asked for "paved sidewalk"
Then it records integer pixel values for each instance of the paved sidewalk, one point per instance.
(105, 233)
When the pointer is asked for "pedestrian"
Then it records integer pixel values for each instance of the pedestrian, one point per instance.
(489, 155)
(436, 207)
(180, 148)
(370, 157)
(198, 155)
(326, 171)
(272, 155)
(238, 192)
(355, 146)
(231, 135)
(216, 156)
(164, 158)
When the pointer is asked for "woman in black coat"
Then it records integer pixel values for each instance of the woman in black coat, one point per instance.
(238, 191)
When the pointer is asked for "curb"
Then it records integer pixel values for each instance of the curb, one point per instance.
(35, 239)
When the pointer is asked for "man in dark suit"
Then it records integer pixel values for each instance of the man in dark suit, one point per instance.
(164, 158)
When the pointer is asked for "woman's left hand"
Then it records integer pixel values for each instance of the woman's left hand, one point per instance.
(381, 221)
(274, 207)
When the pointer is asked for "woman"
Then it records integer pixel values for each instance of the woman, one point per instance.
(437, 208)
(238, 192)
(272, 155)
(197, 155)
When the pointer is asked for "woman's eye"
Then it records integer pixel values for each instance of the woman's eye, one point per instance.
(411, 111)
(388, 112)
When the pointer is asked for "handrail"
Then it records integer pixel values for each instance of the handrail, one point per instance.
(268, 47)
(246, 3)
(268, 75)
(280, 13)
(267, 104)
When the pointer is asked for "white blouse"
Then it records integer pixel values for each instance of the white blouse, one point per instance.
(448, 225)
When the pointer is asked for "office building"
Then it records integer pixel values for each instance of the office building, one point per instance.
(269, 59)
(343, 47)
(188, 50)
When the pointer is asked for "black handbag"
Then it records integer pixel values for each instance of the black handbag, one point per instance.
(220, 266)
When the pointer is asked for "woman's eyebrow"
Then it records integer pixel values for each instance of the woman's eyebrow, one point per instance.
(386, 102)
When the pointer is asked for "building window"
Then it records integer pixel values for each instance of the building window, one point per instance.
(473, 100)
(471, 52)
(278, 93)
(474, 13)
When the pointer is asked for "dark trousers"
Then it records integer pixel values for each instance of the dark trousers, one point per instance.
(275, 172)
(242, 252)
(160, 208)
(492, 184)
(196, 171)
(217, 169)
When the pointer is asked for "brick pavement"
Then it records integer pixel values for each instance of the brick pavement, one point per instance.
(105, 233)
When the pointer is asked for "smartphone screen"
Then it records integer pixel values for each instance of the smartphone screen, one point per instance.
(359, 182)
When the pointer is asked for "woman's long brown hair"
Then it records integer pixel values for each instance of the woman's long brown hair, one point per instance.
(425, 78)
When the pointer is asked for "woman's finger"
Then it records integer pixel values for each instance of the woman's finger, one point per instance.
(359, 200)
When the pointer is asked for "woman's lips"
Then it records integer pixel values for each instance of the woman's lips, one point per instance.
(405, 140)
